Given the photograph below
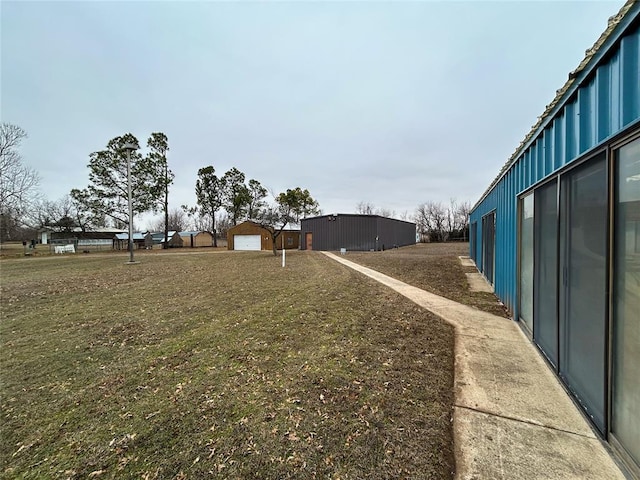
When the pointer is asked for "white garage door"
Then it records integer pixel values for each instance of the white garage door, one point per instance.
(246, 242)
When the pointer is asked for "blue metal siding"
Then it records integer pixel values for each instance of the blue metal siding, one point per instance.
(585, 117)
(559, 141)
(540, 160)
(614, 92)
(573, 135)
(548, 152)
(604, 103)
(630, 71)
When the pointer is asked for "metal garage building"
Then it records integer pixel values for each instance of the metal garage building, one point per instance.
(249, 235)
(355, 232)
(558, 234)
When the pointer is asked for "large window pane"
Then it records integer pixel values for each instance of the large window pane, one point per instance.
(626, 281)
(546, 271)
(583, 307)
(526, 261)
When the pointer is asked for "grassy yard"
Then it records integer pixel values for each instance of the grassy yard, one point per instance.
(13, 249)
(218, 365)
(434, 267)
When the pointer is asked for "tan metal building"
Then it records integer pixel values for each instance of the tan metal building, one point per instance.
(196, 239)
(252, 236)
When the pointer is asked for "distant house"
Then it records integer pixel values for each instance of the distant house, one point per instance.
(194, 239)
(98, 238)
(156, 239)
(121, 241)
(253, 236)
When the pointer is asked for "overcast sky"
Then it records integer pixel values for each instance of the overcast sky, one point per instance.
(392, 103)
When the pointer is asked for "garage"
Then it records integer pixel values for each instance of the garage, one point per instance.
(246, 242)
(250, 235)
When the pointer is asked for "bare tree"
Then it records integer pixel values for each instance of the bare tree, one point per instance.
(18, 182)
(224, 224)
(60, 214)
(178, 221)
(450, 219)
(365, 208)
(385, 212)
(156, 225)
(368, 208)
(462, 215)
(431, 218)
(199, 219)
(442, 223)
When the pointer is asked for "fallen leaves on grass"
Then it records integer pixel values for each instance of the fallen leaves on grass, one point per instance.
(244, 373)
(434, 267)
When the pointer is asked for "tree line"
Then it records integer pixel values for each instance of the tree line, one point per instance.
(435, 221)
(221, 200)
(243, 200)
(17, 183)
(104, 202)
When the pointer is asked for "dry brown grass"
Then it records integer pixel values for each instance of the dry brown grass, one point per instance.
(220, 365)
(12, 249)
(434, 267)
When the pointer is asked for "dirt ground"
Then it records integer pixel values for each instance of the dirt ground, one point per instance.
(434, 267)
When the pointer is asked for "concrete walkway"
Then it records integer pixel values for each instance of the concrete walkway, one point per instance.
(512, 417)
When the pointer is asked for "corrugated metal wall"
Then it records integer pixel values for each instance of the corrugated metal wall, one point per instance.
(604, 103)
(394, 232)
(333, 232)
(356, 232)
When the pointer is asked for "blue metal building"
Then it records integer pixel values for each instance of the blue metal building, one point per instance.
(558, 234)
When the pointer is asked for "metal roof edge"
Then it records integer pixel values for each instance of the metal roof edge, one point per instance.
(617, 26)
(189, 232)
(368, 215)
